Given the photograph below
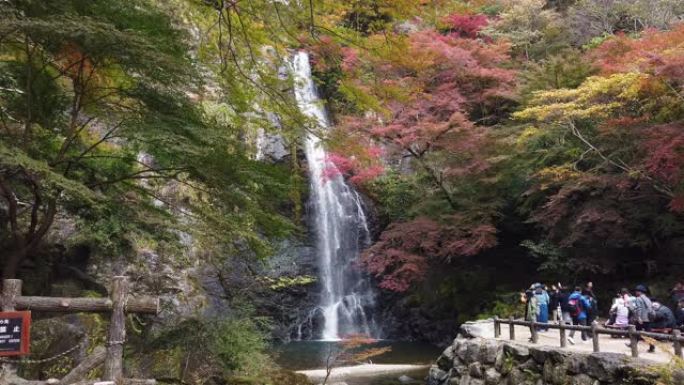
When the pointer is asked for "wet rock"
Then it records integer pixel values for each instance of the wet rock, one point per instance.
(404, 379)
(438, 374)
(445, 361)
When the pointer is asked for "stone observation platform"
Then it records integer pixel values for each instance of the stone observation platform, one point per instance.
(476, 357)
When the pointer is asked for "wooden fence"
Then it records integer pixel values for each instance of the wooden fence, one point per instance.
(595, 330)
(110, 357)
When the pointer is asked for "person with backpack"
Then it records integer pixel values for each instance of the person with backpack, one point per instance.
(563, 298)
(592, 311)
(578, 305)
(663, 318)
(644, 313)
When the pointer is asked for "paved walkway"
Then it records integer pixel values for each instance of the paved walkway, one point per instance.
(664, 351)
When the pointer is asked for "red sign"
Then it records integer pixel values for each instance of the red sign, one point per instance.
(15, 331)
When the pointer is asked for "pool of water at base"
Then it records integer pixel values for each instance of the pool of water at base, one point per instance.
(306, 355)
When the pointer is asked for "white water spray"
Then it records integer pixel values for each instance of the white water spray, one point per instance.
(340, 225)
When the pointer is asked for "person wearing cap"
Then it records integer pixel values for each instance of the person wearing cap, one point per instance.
(643, 312)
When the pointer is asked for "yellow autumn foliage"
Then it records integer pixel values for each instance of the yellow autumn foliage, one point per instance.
(598, 97)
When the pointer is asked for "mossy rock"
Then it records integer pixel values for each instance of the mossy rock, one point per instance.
(164, 365)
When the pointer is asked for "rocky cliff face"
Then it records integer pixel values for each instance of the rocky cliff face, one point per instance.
(480, 361)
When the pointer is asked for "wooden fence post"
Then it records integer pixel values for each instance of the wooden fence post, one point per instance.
(113, 366)
(677, 344)
(595, 336)
(511, 328)
(563, 337)
(633, 341)
(497, 327)
(11, 289)
(534, 332)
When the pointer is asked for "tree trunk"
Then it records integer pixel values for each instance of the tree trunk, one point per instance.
(12, 261)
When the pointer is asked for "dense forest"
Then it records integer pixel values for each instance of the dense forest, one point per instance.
(495, 143)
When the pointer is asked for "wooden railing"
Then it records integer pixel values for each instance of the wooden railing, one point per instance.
(595, 330)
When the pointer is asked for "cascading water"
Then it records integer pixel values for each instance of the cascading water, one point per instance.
(340, 224)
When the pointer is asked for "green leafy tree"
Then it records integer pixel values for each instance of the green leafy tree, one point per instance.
(99, 112)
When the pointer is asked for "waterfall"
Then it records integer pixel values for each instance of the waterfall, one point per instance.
(340, 225)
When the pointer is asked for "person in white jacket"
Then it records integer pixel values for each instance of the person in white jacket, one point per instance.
(621, 313)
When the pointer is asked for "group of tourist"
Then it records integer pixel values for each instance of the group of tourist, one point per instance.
(579, 306)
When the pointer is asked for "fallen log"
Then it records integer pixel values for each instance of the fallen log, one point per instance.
(95, 359)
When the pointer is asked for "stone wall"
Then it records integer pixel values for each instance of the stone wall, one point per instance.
(482, 361)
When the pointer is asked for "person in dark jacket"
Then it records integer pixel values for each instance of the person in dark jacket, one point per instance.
(643, 312)
(578, 305)
(679, 314)
(677, 293)
(592, 312)
(664, 318)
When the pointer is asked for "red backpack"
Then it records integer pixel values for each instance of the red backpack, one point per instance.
(575, 305)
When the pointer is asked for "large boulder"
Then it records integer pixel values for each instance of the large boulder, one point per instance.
(461, 349)
(473, 350)
(477, 329)
(604, 366)
(476, 370)
(488, 352)
(437, 375)
(583, 379)
(467, 380)
(555, 373)
(541, 353)
(576, 363)
(519, 352)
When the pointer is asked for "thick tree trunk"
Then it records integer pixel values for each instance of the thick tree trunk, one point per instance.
(11, 264)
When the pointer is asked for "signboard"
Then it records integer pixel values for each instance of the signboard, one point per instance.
(14, 333)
